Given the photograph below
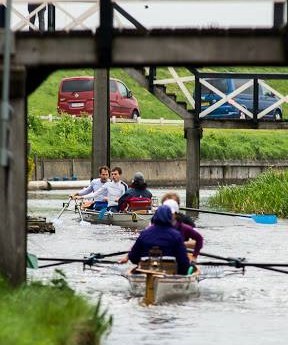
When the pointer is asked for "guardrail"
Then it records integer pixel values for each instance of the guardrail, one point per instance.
(113, 119)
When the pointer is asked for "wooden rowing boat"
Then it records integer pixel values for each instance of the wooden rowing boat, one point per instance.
(165, 287)
(138, 220)
(157, 285)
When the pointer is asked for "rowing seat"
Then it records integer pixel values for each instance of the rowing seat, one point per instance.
(165, 264)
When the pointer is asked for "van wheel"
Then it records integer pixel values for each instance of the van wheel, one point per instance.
(134, 115)
(277, 115)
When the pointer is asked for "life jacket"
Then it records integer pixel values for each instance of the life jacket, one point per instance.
(138, 203)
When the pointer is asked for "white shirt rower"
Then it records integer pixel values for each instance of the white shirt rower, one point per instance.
(113, 189)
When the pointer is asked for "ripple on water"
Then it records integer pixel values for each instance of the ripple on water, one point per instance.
(249, 309)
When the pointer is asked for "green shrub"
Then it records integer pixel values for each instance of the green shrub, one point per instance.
(49, 315)
(34, 124)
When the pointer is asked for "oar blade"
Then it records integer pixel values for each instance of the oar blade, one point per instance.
(65, 205)
(264, 218)
(31, 261)
(258, 218)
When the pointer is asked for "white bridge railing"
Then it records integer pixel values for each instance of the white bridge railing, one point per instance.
(84, 15)
(229, 98)
(114, 119)
(72, 15)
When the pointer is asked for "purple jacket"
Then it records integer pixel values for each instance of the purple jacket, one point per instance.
(163, 235)
(188, 232)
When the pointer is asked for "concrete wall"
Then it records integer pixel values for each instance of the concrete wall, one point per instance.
(162, 172)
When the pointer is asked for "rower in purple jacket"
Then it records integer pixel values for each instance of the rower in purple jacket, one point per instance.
(185, 224)
(160, 234)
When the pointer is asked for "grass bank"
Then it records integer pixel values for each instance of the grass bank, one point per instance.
(266, 194)
(49, 315)
(71, 138)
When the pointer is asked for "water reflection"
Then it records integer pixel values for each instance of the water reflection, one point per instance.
(248, 309)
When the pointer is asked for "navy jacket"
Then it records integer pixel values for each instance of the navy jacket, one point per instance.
(161, 234)
(136, 190)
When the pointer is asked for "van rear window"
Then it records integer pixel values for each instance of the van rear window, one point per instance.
(77, 85)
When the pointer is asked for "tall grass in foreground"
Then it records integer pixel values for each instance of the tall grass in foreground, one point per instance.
(268, 193)
(49, 315)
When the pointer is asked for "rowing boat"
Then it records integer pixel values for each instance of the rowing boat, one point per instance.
(138, 220)
(160, 284)
(165, 287)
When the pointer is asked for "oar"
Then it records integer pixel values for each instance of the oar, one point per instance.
(97, 256)
(65, 205)
(85, 262)
(32, 260)
(239, 263)
(258, 218)
(101, 256)
(212, 256)
(79, 211)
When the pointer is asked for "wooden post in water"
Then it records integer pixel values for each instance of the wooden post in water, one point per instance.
(193, 135)
(13, 183)
(101, 116)
(101, 122)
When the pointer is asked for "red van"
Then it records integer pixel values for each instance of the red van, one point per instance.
(76, 97)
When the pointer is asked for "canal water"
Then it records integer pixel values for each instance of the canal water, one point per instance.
(248, 309)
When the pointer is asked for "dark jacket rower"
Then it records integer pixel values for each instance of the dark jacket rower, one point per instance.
(161, 234)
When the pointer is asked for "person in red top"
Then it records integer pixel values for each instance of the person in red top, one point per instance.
(192, 238)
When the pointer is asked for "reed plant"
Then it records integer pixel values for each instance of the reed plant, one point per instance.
(49, 315)
(266, 194)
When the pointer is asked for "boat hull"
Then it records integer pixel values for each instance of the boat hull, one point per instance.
(166, 288)
(127, 220)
